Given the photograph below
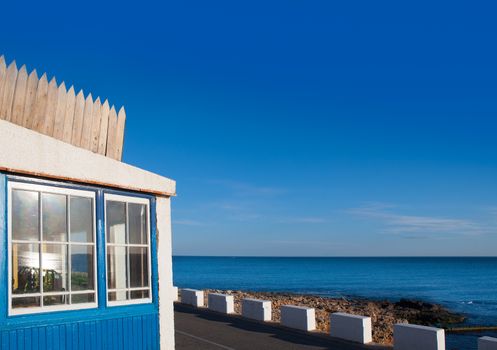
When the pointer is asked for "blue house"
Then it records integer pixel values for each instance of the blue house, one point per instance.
(85, 239)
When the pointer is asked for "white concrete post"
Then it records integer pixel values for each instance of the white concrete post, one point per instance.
(164, 253)
(487, 343)
(351, 327)
(221, 303)
(192, 297)
(175, 293)
(414, 337)
(299, 317)
(256, 309)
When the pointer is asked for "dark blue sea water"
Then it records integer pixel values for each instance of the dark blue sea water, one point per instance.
(465, 285)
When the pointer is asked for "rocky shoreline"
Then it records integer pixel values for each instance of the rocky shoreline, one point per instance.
(384, 314)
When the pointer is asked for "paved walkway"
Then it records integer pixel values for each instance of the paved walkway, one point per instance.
(206, 330)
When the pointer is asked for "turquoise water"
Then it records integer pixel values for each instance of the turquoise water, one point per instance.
(465, 285)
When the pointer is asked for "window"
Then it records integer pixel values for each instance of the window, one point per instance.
(128, 250)
(52, 256)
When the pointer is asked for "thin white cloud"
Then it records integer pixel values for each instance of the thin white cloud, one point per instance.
(188, 222)
(412, 225)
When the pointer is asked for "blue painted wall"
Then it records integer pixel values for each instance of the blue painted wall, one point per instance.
(122, 327)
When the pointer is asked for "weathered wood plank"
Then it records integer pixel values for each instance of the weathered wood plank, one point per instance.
(121, 122)
(27, 120)
(51, 109)
(19, 96)
(8, 91)
(40, 104)
(79, 109)
(104, 125)
(111, 135)
(3, 73)
(60, 112)
(69, 115)
(95, 125)
(87, 120)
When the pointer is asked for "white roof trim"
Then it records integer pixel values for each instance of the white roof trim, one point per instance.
(27, 152)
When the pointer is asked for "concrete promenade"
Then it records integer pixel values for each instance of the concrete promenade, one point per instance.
(207, 330)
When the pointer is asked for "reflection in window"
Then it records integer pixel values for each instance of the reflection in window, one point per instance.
(127, 234)
(52, 247)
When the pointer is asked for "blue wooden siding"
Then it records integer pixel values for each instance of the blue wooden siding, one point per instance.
(124, 327)
(134, 332)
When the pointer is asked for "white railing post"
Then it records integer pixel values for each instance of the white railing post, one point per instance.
(221, 303)
(256, 309)
(351, 327)
(299, 317)
(414, 337)
(192, 297)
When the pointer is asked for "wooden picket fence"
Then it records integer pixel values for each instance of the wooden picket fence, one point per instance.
(51, 109)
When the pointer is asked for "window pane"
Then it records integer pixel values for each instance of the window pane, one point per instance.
(54, 217)
(18, 303)
(55, 267)
(139, 294)
(116, 268)
(25, 268)
(82, 298)
(118, 296)
(81, 214)
(138, 267)
(55, 300)
(116, 222)
(82, 267)
(137, 219)
(25, 215)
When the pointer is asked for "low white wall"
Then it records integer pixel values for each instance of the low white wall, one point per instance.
(256, 309)
(175, 294)
(351, 327)
(298, 317)
(221, 303)
(487, 343)
(414, 337)
(192, 297)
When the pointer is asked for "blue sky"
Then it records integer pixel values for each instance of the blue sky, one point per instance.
(294, 127)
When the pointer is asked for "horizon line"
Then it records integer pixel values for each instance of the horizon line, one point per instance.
(335, 256)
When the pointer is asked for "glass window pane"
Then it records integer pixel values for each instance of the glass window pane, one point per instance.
(118, 296)
(55, 300)
(55, 267)
(82, 298)
(19, 303)
(25, 215)
(54, 217)
(138, 267)
(82, 267)
(137, 220)
(116, 222)
(116, 268)
(25, 268)
(139, 294)
(81, 214)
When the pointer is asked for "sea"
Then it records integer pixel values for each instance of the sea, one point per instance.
(466, 285)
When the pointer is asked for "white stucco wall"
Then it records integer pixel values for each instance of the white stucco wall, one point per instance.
(27, 152)
(164, 258)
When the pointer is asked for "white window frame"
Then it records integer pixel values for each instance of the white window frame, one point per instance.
(13, 185)
(134, 200)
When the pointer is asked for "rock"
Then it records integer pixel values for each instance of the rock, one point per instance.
(384, 314)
